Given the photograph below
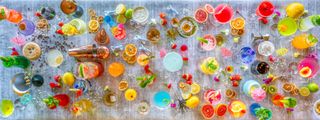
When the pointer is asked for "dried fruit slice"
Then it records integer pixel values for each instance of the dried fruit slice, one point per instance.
(237, 23)
(130, 50)
(201, 15)
(209, 8)
(207, 111)
(123, 85)
(221, 109)
(305, 72)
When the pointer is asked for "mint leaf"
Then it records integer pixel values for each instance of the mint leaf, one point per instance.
(202, 40)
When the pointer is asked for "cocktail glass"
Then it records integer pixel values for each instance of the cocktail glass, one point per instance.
(26, 27)
(316, 109)
(209, 66)
(308, 67)
(161, 99)
(265, 48)
(304, 41)
(237, 108)
(209, 44)
(247, 55)
(223, 13)
(259, 67)
(7, 108)
(54, 58)
(265, 9)
(89, 70)
(19, 85)
(172, 62)
(287, 26)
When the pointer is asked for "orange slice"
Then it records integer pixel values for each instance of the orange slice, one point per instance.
(237, 23)
(131, 50)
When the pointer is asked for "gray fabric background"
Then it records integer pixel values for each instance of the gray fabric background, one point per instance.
(128, 110)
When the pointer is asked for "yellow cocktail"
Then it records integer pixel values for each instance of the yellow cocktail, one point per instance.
(304, 41)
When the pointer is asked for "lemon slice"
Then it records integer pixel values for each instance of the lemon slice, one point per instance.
(94, 25)
(304, 91)
(195, 88)
(186, 96)
(59, 60)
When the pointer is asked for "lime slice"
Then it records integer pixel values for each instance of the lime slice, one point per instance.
(304, 91)
(120, 9)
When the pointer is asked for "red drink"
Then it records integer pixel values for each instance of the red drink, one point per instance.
(223, 13)
(265, 9)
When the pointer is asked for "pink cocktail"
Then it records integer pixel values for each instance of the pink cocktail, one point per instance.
(308, 67)
(265, 9)
(223, 13)
(211, 43)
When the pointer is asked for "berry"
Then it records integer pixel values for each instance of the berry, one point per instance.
(147, 69)
(14, 53)
(164, 22)
(173, 46)
(185, 58)
(59, 32)
(184, 47)
(38, 14)
(169, 86)
(263, 20)
(162, 15)
(189, 82)
(187, 76)
(235, 83)
(57, 78)
(54, 85)
(60, 24)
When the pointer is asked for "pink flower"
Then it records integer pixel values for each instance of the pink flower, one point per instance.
(19, 41)
(258, 94)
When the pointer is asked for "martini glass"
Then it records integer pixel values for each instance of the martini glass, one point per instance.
(54, 58)
(161, 99)
(7, 108)
(287, 26)
(26, 27)
(223, 13)
(172, 62)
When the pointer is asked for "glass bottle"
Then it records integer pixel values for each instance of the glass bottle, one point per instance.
(17, 61)
(309, 23)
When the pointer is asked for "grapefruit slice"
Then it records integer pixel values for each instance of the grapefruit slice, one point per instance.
(201, 15)
(209, 8)
(207, 111)
(221, 109)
